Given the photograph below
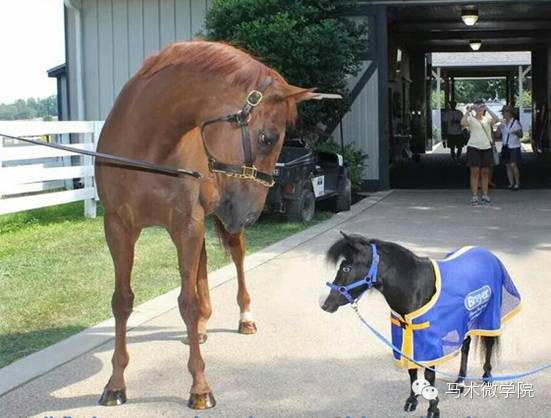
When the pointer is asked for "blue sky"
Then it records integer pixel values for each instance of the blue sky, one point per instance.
(31, 42)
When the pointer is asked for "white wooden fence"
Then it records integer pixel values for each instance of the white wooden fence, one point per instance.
(33, 176)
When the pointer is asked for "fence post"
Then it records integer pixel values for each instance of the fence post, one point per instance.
(89, 182)
(1, 154)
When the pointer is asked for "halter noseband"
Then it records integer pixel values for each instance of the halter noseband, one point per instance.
(369, 280)
(241, 119)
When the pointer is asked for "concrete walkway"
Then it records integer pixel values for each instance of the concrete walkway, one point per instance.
(305, 362)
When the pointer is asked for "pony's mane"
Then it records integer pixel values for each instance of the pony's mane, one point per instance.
(347, 247)
(216, 59)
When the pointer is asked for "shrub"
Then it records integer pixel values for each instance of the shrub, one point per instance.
(353, 159)
(308, 41)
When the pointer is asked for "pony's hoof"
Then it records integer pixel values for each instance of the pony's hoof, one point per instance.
(411, 404)
(201, 400)
(460, 384)
(247, 327)
(202, 339)
(112, 397)
(433, 414)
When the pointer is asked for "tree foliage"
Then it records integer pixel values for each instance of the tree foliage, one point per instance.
(308, 41)
(29, 109)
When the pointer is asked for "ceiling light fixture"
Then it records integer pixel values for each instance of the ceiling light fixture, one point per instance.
(475, 44)
(469, 15)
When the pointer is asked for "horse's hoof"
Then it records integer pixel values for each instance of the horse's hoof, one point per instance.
(411, 404)
(202, 339)
(201, 400)
(247, 327)
(112, 397)
(460, 384)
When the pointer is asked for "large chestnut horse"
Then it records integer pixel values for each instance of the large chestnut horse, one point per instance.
(206, 107)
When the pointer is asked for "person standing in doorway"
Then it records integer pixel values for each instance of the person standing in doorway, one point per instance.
(454, 135)
(511, 133)
(479, 148)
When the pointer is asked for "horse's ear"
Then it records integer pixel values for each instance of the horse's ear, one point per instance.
(346, 237)
(298, 94)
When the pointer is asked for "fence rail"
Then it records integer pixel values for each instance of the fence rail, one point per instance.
(32, 176)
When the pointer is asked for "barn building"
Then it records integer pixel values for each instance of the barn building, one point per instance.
(107, 41)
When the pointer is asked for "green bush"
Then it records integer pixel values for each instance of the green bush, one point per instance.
(308, 41)
(353, 160)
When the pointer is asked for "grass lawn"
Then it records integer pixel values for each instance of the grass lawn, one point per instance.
(56, 273)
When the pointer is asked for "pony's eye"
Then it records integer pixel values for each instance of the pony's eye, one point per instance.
(346, 269)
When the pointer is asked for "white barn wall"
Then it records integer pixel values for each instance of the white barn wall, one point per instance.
(117, 35)
(361, 124)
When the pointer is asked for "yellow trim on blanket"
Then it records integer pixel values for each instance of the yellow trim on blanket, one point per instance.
(407, 340)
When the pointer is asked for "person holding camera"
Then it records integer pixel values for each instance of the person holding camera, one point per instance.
(480, 157)
(511, 134)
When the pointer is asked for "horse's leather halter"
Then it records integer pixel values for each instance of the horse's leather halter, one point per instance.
(241, 119)
(368, 280)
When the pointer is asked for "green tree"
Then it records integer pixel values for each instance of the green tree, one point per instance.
(467, 91)
(29, 109)
(308, 41)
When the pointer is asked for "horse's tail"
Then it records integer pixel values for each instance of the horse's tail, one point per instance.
(221, 233)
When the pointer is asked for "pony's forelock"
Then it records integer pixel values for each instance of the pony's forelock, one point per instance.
(346, 248)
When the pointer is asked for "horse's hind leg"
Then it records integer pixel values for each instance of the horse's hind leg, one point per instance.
(236, 245)
(489, 345)
(121, 241)
(464, 360)
(411, 402)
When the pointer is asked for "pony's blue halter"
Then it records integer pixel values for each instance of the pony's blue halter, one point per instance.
(369, 280)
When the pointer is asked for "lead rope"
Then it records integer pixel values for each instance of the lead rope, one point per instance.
(385, 341)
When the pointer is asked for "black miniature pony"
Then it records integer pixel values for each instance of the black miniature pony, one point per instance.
(414, 288)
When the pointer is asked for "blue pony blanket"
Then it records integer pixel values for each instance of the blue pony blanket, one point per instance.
(474, 296)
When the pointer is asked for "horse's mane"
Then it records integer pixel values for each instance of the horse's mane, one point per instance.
(353, 245)
(217, 59)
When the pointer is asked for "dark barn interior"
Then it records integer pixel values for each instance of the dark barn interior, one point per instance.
(417, 29)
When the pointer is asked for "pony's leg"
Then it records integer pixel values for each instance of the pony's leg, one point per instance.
(489, 344)
(464, 360)
(205, 307)
(433, 411)
(189, 238)
(411, 402)
(235, 243)
(121, 241)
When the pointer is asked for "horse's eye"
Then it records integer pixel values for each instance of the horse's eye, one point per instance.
(266, 139)
(346, 269)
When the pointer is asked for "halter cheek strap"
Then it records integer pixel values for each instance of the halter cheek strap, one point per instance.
(368, 281)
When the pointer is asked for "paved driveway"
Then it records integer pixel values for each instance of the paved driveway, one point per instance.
(305, 362)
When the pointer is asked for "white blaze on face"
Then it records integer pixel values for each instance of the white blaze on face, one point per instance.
(324, 294)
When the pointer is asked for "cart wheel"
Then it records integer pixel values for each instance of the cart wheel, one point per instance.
(303, 208)
(343, 201)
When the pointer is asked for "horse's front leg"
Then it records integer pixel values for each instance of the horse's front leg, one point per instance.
(205, 307)
(189, 240)
(121, 239)
(433, 411)
(235, 243)
(411, 402)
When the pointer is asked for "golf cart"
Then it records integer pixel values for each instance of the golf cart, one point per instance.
(304, 178)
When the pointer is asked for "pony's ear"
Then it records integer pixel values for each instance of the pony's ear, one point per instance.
(346, 237)
(298, 94)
